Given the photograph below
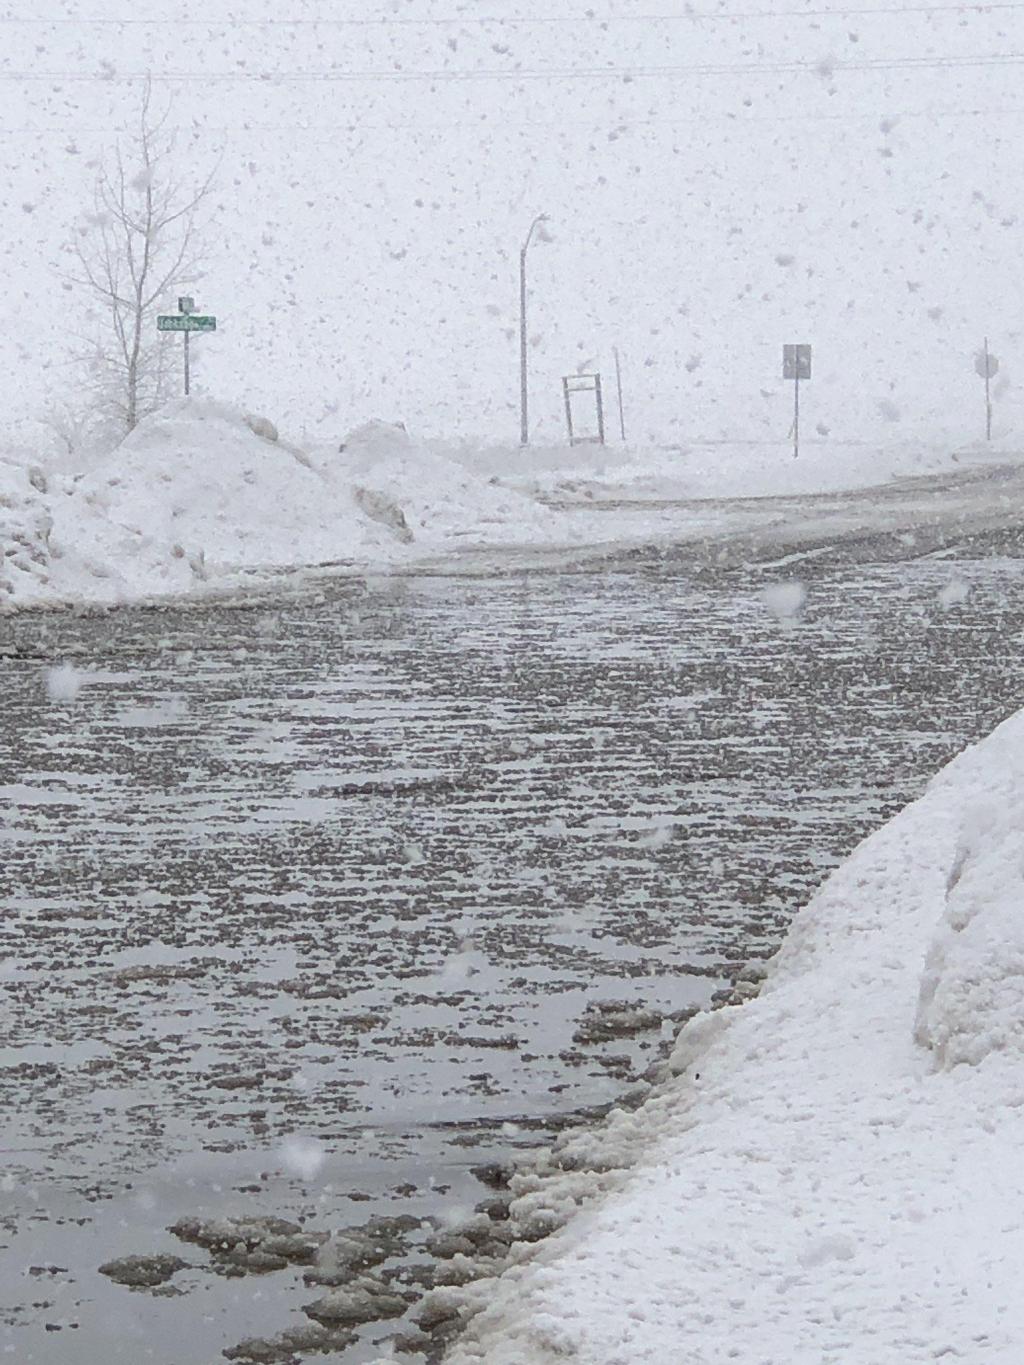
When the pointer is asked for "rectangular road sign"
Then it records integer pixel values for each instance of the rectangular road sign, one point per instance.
(796, 362)
(185, 322)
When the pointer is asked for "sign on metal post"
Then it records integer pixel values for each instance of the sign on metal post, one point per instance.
(796, 365)
(188, 321)
(987, 366)
(796, 362)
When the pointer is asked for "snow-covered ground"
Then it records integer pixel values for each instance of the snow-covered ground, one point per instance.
(836, 1171)
(721, 469)
(202, 499)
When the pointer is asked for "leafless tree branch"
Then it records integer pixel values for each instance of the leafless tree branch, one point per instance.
(143, 245)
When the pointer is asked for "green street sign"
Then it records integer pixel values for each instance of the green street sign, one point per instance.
(185, 322)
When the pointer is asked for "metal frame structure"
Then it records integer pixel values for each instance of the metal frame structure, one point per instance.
(583, 383)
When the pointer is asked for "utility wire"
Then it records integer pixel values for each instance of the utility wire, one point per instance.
(822, 68)
(466, 21)
(496, 123)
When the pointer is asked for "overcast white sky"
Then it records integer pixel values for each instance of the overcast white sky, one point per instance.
(716, 186)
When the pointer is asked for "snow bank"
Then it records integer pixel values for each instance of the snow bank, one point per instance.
(720, 469)
(825, 1179)
(203, 497)
(972, 994)
(442, 500)
(25, 525)
(193, 495)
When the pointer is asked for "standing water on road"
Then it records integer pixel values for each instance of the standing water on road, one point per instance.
(307, 908)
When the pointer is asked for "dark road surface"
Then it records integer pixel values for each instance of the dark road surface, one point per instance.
(302, 906)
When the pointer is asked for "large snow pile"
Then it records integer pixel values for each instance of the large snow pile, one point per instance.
(24, 535)
(823, 1180)
(203, 497)
(440, 497)
(972, 995)
(195, 494)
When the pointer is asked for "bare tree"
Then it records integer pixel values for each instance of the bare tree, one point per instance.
(140, 247)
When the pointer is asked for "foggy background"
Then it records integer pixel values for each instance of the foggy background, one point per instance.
(716, 186)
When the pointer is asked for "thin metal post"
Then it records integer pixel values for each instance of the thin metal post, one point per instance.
(524, 423)
(186, 365)
(524, 426)
(796, 415)
(618, 385)
(988, 396)
(568, 408)
(600, 409)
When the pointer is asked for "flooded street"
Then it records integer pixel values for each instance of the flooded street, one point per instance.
(307, 908)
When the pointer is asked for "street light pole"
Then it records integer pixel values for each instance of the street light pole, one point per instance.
(524, 425)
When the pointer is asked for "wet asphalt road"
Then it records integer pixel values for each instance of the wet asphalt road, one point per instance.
(349, 870)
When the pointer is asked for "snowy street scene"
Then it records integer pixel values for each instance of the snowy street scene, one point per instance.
(315, 909)
(511, 636)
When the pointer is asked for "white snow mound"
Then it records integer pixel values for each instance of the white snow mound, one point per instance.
(193, 494)
(203, 497)
(444, 504)
(374, 441)
(24, 536)
(972, 991)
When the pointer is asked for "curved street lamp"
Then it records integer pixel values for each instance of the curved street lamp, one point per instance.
(524, 433)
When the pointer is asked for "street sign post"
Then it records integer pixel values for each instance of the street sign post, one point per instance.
(188, 321)
(987, 366)
(796, 365)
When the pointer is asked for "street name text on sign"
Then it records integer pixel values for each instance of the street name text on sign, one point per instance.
(185, 322)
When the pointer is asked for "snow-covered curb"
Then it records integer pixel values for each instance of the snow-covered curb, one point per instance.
(837, 1172)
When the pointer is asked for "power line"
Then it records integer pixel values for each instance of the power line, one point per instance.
(959, 11)
(624, 124)
(824, 68)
